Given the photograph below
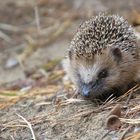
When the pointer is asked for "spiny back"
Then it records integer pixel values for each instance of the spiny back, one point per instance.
(101, 32)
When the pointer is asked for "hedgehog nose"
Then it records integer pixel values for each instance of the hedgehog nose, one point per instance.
(86, 91)
(87, 88)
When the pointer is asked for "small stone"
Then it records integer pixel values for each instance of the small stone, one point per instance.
(11, 62)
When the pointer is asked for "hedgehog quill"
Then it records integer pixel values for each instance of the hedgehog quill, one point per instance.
(103, 57)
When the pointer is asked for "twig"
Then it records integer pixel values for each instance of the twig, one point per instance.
(57, 33)
(105, 135)
(130, 121)
(132, 90)
(9, 27)
(128, 99)
(29, 125)
(72, 100)
(12, 137)
(12, 126)
(108, 101)
(124, 133)
(37, 18)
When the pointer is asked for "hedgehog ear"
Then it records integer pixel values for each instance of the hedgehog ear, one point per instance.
(116, 52)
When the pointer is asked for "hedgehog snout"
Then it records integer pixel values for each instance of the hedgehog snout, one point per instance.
(88, 88)
(86, 91)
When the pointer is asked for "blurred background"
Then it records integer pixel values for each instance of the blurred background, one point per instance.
(35, 34)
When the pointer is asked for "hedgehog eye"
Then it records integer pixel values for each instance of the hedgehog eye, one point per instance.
(103, 74)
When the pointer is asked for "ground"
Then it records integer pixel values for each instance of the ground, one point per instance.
(35, 93)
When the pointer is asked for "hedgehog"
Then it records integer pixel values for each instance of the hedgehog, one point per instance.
(103, 57)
